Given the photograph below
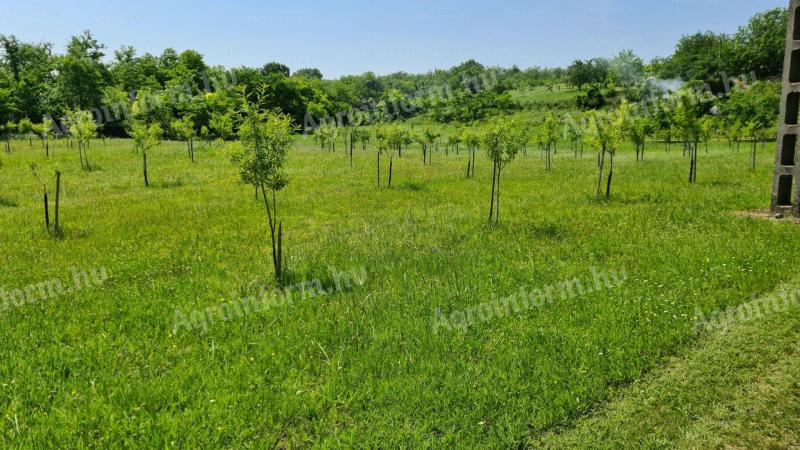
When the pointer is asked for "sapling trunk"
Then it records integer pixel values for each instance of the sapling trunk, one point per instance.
(547, 158)
(46, 212)
(600, 164)
(379, 169)
(610, 175)
(390, 172)
(144, 167)
(497, 210)
(272, 218)
(693, 162)
(57, 228)
(494, 180)
(86, 157)
(473, 163)
(279, 267)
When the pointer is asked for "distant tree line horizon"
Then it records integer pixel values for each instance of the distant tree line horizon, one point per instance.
(36, 83)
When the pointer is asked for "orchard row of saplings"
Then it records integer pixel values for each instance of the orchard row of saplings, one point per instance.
(264, 138)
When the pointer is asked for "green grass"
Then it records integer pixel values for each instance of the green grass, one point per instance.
(739, 389)
(533, 97)
(102, 368)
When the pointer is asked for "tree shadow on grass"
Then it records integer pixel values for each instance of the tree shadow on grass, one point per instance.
(7, 203)
(413, 186)
(69, 234)
(315, 282)
(650, 199)
(170, 184)
(725, 183)
(550, 231)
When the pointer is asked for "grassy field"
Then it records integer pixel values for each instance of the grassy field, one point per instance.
(738, 388)
(103, 366)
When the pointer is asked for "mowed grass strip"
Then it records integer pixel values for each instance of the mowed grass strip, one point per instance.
(102, 367)
(738, 388)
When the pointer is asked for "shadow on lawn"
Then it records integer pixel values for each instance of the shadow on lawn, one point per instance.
(8, 203)
(321, 281)
(413, 186)
(170, 184)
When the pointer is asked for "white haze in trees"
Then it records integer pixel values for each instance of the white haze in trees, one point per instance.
(666, 85)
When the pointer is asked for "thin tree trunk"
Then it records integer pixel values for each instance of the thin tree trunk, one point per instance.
(57, 228)
(497, 210)
(144, 167)
(600, 164)
(547, 158)
(494, 180)
(379, 168)
(610, 175)
(271, 222)
(391, 160)
(86, 157)
(473, 163)
(46, 212)
(279, 267)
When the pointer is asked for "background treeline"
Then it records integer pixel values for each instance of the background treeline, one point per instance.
(36, 83)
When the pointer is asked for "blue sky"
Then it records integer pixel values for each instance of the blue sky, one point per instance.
(348, 37)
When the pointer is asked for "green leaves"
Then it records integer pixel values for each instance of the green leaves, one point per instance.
(551, 130)
(265, 138)
(183, 128)
(604, 130)
(146, 136)
(500, 142)
(390, 138)
(81, 125)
